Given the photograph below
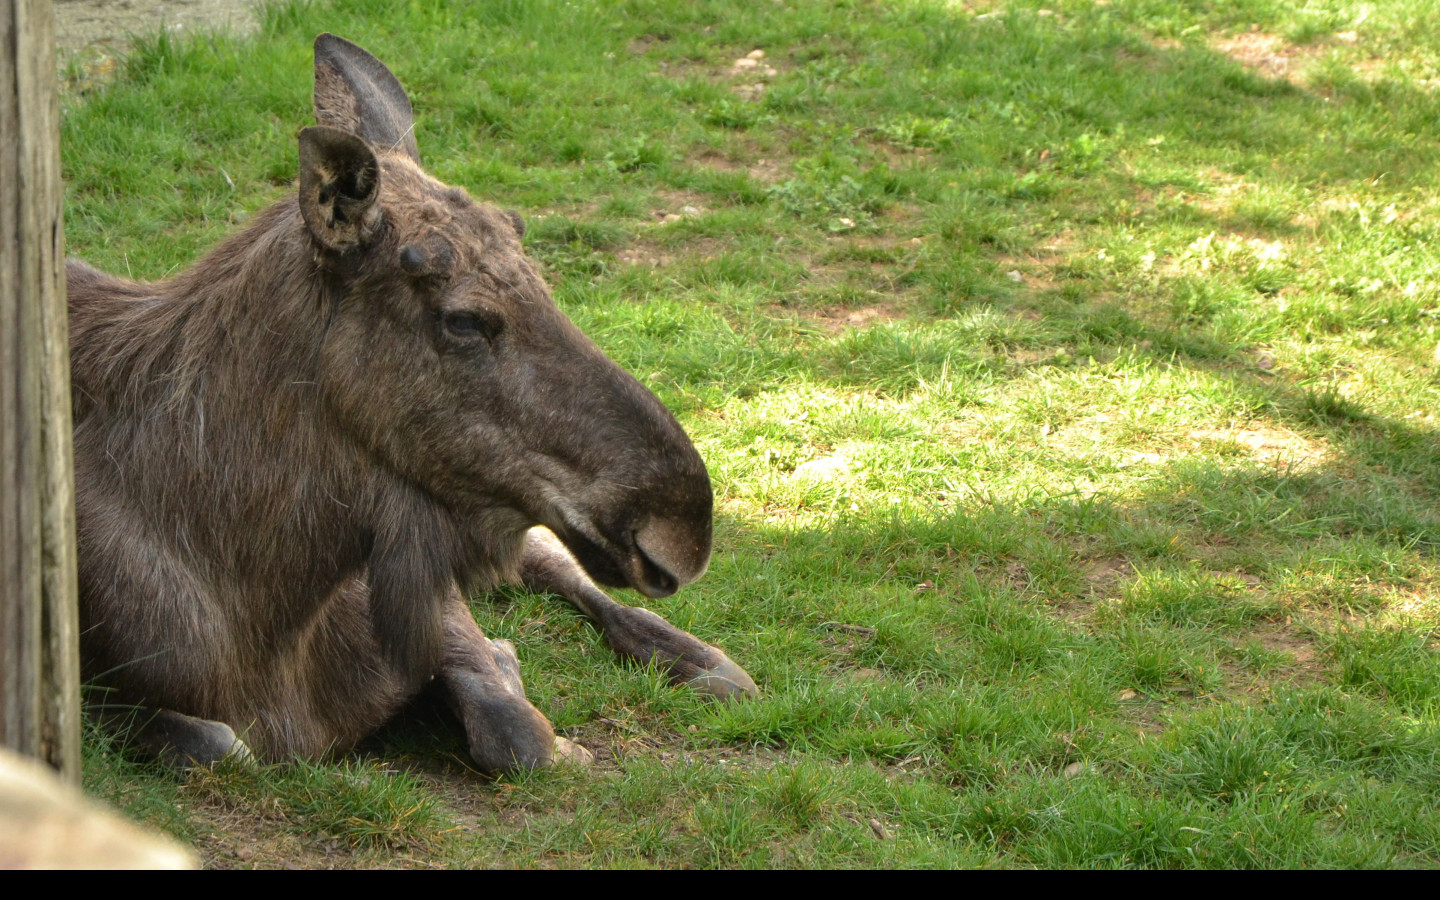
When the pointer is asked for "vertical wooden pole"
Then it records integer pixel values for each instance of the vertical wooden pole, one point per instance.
(39, 655)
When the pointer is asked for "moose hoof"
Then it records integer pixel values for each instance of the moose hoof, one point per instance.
(505, 733)
(567, 751)
(725, 681)
(240, 754)
(184, 742)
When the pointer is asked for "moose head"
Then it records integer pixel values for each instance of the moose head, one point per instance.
(447, 358)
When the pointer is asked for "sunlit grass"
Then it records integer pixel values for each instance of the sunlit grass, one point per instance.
(1067, 374)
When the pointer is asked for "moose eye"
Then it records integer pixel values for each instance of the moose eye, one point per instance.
(469, 325)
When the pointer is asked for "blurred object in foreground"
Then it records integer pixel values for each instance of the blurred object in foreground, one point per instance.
(46, 824)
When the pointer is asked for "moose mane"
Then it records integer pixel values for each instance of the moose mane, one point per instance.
(161, 340)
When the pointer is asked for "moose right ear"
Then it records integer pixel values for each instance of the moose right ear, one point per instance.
(339, 186)
(355, 92)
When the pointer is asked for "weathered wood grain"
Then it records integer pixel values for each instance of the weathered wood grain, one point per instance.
(39, 668)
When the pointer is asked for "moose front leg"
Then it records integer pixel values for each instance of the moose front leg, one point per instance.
(172, 739)
(482, 683)
(631, 631)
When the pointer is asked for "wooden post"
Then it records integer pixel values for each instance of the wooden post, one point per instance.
(39, 649)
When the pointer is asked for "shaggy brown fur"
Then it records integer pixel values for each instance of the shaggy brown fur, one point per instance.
(293, 459)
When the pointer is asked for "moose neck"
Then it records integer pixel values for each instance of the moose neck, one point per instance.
(210, 386)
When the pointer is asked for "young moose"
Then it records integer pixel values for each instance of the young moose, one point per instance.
(295, 460)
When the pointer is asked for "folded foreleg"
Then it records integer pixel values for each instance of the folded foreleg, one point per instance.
(482, 682)
(632, 632)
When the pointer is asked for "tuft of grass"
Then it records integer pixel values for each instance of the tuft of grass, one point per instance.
(362, 805)
(1400, 664)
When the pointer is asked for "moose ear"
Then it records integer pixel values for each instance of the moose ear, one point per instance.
(354, 92)
(339, 184)
(516, 221)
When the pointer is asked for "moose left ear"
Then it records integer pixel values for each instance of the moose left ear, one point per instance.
(339, 185)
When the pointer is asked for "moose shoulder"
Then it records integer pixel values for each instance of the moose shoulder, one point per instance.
(295, 460)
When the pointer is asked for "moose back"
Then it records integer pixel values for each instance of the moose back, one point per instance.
(296, 459)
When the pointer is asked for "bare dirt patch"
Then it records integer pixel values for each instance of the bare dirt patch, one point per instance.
(837, 319)
(104, 27)
(764, 171)
(672, 206)
(901, 159)
(1227, 190)
(712, 159)
(869, 265)
(1268, 54)
(1075, 612)
(1150, 59)
(1104, 574)
(1297, 660)
(1025, 357)
(1298, 646)
(1039, 268)
(1103, 579)
(747, 76)
(642, 44)
(241, 841)
(1254, 444)
(258, 833)
(753, 73)
(644, 256)
(1036, 272)
(1268, 446)
(646, 252)
(1272, 56)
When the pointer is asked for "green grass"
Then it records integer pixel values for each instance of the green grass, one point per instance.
(1114, 328)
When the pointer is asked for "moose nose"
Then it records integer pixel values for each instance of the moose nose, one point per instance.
(652, 580)
(670, 554)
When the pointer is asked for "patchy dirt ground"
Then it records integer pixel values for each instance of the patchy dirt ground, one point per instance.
(104, 26)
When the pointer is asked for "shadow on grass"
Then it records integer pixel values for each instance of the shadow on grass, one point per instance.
(959, 600)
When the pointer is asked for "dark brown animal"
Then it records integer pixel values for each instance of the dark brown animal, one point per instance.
(295, 460)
